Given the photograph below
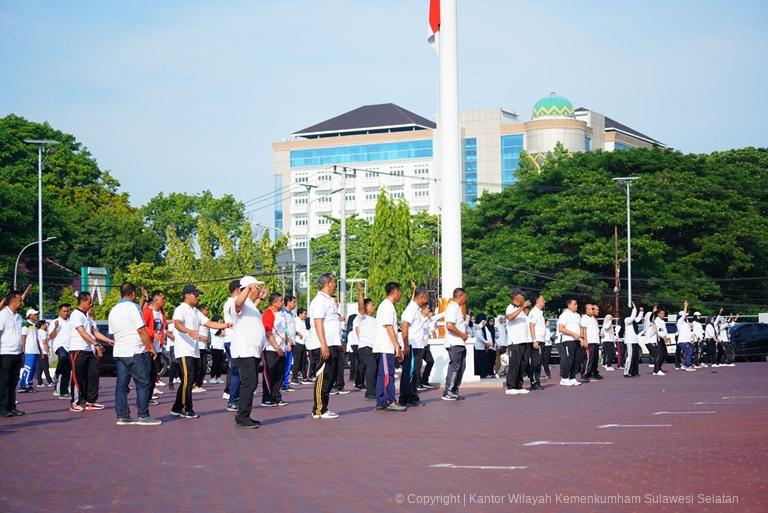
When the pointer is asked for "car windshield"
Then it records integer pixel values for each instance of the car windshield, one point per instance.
(671, 327)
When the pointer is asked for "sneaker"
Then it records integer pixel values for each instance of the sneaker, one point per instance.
(177, 413)
(153, 402)
(512, 391)
(689, 369)
(268, 404)
(427, 385)
(650, 365)
(56, 393)
(659, 373)
(198, 390)
(253, 424)
(289, 389)
(18, 413)
(416, 403)
(327, 415)
(597, 377)
(159, 392)
(76, 408)
(565, 382)
(160, 383)
(448, 397)
(730, 365)
(190, 415)
(155, 397)
(281, 403)
(148, 421)
(523, 391)
(177, 380)
(343, 392)
(95, 406)
(307, 382)
(225, 396)
(395, 407)
(125, 422)
(23, 391)
(232, 407)
(421, 388)
(65, 396)
(575, 382)
(610, 369)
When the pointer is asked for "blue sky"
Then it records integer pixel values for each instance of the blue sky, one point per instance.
(188, 95)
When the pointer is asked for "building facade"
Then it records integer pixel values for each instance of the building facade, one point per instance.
(387, 147)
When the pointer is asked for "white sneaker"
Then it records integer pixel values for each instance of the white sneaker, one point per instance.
(659, 373)
(198, 390)
(160, 384)
(575, 382)
(327, 415)
(730, 365)
(225, 395)
(689, 369)
(565, 382)
(609, 369)
(650, 365)
(512, 391)
(523, 391)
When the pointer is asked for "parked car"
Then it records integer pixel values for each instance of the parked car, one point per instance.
(107, 365)
(750, 340)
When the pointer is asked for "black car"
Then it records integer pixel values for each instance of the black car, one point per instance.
(750, 340)
(107, 365)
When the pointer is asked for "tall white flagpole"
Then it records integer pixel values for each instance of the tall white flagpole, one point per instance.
(449, 149)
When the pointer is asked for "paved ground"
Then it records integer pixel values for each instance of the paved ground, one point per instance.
(711, 447)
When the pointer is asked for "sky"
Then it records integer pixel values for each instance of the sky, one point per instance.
(188, 95)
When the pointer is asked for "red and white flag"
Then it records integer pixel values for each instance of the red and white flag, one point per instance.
(434, 20)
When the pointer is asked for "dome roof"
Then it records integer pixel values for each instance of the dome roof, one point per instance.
(553, 106)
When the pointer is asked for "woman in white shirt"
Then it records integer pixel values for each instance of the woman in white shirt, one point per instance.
(45, 353)
(608, 334)
(217, 353)
(629, 323)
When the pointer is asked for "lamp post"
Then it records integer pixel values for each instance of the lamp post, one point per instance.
(16, 267)
(626, 181)
(48, 144)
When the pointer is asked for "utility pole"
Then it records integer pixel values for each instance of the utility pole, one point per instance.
(616, 285)
(626, 181)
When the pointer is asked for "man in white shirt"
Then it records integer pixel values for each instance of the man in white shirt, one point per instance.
(387, 348)
(685, 337)
(275, 346)
(430, 327)
(133, 353)
(187, 321)
(412, 328)
(83, 350)
(10, 354)
(290, 335)
(299, 367)
(538, 328)
(699, 346)
(232, 386)
(724, 335)
(569, 339)
(663, 341)
(60, 332)
(365, 330)
(248, 337)
(324, 344)
(591, 332)
(456, 335)
(518, 336)
(31, 347)
(43, 366)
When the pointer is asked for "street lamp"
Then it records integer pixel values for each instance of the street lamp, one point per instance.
(309, 233)
(626, 181)
(48, 144)
(16, 267)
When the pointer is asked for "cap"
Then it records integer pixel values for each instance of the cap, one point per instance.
(234, 285)
(32, 311)
(191, 289)
(249, 280)
(697, 314)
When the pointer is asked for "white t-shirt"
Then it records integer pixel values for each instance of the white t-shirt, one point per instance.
(42, 336)
(124, 322)
(412, 315)
(385, 316)
(517, 329)
(709, 332)
(536, 317)
(651, 331)
(698, 330)
(76, 342)
(366, 330)
(453, 315)
(31, 345)
(593, 329)
(352, 339)
(290, 324)
(302, 333)
(227, 316)
(571, 321)
(63, 333)
(501, 334)
(205, 338)
(684, 333)
(192, 319)
(217, 341)
(170, 342)
(247, 332)
(609, 334)
(10, 332)
(323, 308)
(661, 329)
(278, 332)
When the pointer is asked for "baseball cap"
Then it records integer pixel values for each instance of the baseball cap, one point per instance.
(191, 289)
(32, 311)
(234, 285)
(248, 280)
(697, 314)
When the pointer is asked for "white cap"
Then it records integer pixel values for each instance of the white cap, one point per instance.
(32, 311)
(695, 314)
(249, 280)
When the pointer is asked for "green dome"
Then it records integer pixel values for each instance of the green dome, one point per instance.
(553, 105)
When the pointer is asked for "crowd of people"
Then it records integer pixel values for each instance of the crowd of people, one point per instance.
(291, 347)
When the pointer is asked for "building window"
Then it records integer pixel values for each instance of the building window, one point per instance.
(300, 199)
(470, 171)
(621, 146)
(324, 199)
(279, 206)
(324, 220)
(511, 146)
(421, 170)
(371, 194)
(349, 196)
(362, 153)
(300, 221)
(301, 179)
(587, 143)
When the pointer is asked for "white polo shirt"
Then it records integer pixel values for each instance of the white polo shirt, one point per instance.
(63, 333)
(453, 315)
(661, 329)
(247, 331)
(323, 308)
(31, 344)
(10, 332)
(77, 320)
(301, 329)
(609, 334)
(227, 316)
(593, 329)
(366, 327)
(192, 319)
(124, 322)
(279, 326)
(501, 334)
(517, 328)
(412, 315)
(385, 316)
(536, 317)
(684, 333)
(570, 321)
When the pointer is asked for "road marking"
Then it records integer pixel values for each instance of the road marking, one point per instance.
(719, 402)
(745, 397)
(547, 442)
(606, 426)
(475, 467)
(683, 412)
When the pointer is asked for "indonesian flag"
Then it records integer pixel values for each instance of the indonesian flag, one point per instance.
(434, 20)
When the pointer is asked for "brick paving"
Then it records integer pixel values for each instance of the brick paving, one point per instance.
(367, 461)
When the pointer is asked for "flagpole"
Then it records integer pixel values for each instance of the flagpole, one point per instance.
(449, 149)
